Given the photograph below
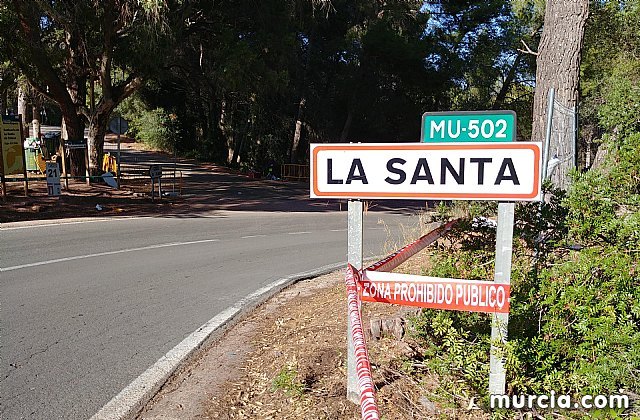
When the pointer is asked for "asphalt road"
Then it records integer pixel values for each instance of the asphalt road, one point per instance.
(87, 307)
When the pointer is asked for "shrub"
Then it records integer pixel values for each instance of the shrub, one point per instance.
(154, 127)
(574, 322)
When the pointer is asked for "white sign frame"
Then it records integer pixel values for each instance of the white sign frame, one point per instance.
(427, 171)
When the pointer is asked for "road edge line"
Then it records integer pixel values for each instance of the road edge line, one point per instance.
(128, 403)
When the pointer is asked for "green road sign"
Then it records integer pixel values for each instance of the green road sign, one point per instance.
(468, 126)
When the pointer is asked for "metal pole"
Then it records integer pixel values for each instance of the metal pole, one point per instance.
(547, 139)
(576, 109)
(87, 171)
(500, 321)
(354, 256)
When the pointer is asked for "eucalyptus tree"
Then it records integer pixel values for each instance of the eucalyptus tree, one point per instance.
(87, 56)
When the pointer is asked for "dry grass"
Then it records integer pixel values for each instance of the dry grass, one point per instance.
(297, 370)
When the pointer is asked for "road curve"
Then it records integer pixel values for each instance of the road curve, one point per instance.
(87, 307)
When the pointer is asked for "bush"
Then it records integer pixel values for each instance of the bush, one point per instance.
(574, 322)
(154, 127)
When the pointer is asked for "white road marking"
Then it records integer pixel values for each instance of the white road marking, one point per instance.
(338, 230)
(298, 233)
(253, 236)
(102, 254)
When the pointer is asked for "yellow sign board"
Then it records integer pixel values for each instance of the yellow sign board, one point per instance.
(11, 145)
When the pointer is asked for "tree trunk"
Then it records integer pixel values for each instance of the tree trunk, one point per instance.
(3, 102)
(558, 65)
(508, 81)
(225, 124)
(35, 122)
(95, 137)
(295, 145)
(22, 111)
(73, 131)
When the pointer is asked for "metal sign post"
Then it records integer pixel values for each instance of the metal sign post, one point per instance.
(500, 321)
(118, 125)
(354, 257)
(155, 172)
(469, 155)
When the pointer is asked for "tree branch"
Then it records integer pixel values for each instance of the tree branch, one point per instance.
(528, 50)
(30, 29)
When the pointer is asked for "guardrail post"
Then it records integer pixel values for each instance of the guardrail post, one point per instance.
(500, 321)
(354, 257)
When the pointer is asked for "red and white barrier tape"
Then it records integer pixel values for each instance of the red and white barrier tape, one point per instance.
(368, 406)
(394, 260)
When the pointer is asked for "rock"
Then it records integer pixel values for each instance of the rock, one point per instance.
(375, 326)
(388, 326)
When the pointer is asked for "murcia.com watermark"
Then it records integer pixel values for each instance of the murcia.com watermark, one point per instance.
(562, 401)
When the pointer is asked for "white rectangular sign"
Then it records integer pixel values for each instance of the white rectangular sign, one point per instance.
(431, 171)
(434, 292)
(53, 178)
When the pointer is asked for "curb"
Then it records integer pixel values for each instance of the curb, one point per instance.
(128, 403)
(27, 224)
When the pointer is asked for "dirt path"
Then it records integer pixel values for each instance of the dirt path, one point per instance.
(199, 189)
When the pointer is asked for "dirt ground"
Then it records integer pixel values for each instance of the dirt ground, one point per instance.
(80, 199)
(287, 360)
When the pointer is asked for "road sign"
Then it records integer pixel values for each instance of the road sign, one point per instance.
(451, 171)
(76, 145)
(53, 178)
(434, 292)
(118, 125)
(11, 145)
(155, 171)
(468, 126)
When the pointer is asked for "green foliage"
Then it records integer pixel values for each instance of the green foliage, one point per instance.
(604, 204)
(457, 346)
(154, 127)
(610, 71)
(574, 323)
(287, 381)
(587, 341)
(621, 93)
